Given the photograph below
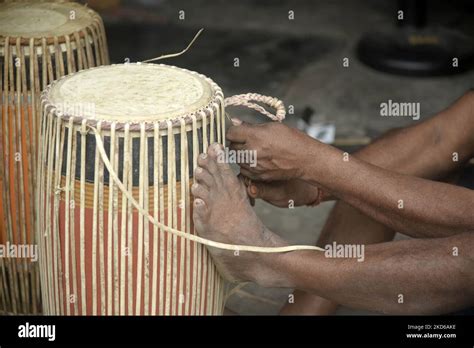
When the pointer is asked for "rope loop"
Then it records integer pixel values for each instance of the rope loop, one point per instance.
(246, 100)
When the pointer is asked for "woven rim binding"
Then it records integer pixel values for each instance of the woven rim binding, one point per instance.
(217, 98)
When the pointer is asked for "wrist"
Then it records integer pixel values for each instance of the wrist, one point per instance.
(315, 160)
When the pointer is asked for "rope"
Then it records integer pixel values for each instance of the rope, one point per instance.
(244, 100)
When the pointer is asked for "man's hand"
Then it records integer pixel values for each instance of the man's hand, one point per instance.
(279, 150)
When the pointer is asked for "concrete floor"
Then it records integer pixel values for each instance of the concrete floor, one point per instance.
(299, 61)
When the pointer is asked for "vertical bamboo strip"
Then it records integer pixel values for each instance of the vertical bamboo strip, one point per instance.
(82, 247)
(156, 232)
(95, 233)
(67, 226)
(146, 245)
(182, 213)
(101, 255)
(123, 234)
(138, 285)
(129, 156)
(163, 256)
(110, 226)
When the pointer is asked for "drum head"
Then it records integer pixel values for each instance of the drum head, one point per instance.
(34, 19)
(132, 93)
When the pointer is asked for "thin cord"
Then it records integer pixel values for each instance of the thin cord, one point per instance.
(171, 55)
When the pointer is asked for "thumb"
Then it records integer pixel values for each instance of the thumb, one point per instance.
(239, 131)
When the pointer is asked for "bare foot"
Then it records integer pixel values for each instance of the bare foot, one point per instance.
(222, 213)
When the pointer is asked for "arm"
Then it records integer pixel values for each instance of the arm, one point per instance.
(427, 206)
(411, 205)
(414, 150)
(431, 279)
(425, 149)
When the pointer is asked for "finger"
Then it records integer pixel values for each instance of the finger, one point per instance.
(237, 146)
(262, 190)
(247, 173)
(245, 166)
(239, 132)
(270, 192)
(246, 181)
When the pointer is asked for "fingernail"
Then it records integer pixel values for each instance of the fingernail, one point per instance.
(253, 190)
(236, 121)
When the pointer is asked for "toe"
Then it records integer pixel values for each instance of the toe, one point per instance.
(199, 191)
(205, 162)
(221, 161)
(200, 215)
(215, 152)
(218, 156)
(203, 177)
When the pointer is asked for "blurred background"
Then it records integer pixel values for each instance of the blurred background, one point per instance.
(332, 62)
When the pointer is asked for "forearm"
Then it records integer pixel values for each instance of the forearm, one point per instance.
(411, 205)
(425, 272)
(426, 148)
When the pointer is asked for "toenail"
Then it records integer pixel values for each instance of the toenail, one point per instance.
(198, 201)
(203, 155)
(236, 121)
(194, 186)
(198, 170)
(216, 146)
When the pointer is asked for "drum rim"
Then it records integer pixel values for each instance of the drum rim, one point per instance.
(90, 19)
(216, 98)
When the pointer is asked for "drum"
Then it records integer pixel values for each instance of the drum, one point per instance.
(99, 255)
(39, 42)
